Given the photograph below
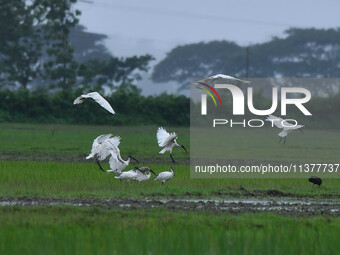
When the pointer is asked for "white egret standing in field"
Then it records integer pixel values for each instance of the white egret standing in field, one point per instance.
(98, 98)
(168, 141)
(144, 174)
(284, 125)
(102, 147)
(128, 175)
(220, 77)
(164, 176)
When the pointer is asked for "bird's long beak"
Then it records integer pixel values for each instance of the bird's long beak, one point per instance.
(184, 148)
(137, 168)
(121, 161)
(134, 159)
(153, 172)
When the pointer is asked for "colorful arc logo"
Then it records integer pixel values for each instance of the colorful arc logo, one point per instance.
(209, 93)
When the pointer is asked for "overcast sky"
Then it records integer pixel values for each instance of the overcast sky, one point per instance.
(157, 26)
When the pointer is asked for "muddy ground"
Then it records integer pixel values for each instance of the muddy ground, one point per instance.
(287, 207)
(80, 158)
(162, 159)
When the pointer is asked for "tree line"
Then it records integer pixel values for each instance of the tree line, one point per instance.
(134, 109)
(47, 60)
(45, 64)
(131, 107)
(36, 48)
(299, 53)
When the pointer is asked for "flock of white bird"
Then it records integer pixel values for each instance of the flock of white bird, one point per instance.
(106, 145)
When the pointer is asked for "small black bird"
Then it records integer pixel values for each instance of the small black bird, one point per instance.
(315, 180)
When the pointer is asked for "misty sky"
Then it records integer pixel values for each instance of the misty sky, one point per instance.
(157, 26)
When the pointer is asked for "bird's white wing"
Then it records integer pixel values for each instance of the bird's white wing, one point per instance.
(115, 141)
(98, 98)
(105, 149)
(283, 133)
(115, 159)
(292, 127)
(164, 137)
(96, 143)
(131, 175)
(161, 136)
(115, 164)
(100, 139)
(276, 121)
(281, 123)
(221, 77)
(163, 176)
(139, 175)
(115, 152)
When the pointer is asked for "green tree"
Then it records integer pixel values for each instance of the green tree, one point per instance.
(199, 60)
(61, 67)
(300, 53)
(20, 41)
(114, 71)
(88, 45)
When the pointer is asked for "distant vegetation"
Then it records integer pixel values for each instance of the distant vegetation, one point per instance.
(47, 59)
(132, 108)
(300, 53)
(42, 47)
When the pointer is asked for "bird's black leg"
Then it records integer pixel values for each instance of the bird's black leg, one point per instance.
(284, 141)
(100, 165)
(172, 159)
(301, 130)
(280, 139)
(162, 183)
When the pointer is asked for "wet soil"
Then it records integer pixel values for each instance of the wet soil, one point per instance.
(288, 207)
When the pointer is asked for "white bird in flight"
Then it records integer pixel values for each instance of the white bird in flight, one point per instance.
(144, 174)
(168, 141)
(128, 175)
(102, 147)
(165, 176)
(117, 164)
(284, 125)
(98, 98)
(221, 77)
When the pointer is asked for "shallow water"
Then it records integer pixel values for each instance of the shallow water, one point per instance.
(288, 206)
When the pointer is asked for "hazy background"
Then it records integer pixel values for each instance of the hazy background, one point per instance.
(142, 55)
(155, 27)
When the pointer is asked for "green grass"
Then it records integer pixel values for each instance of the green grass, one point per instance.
(58, 179)
(71, 143)
(240, 144)
(71, 140)
(69, 230)
(262, 144)
(65, 230)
